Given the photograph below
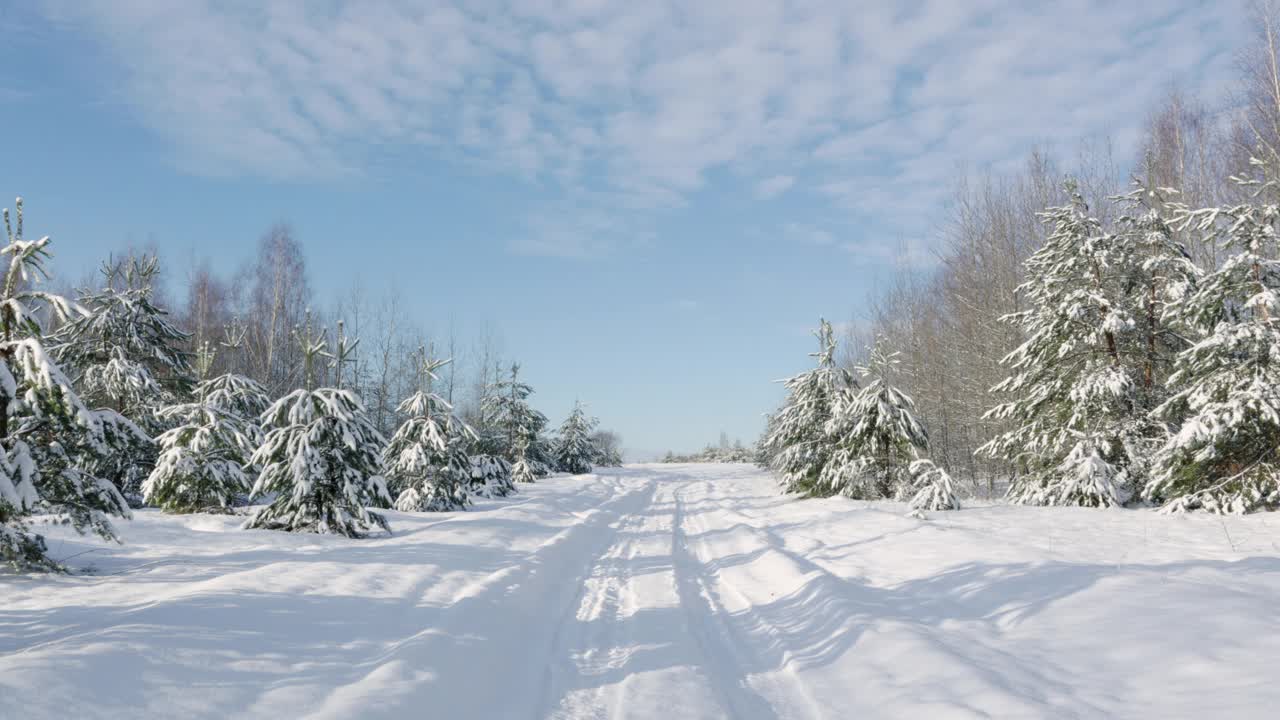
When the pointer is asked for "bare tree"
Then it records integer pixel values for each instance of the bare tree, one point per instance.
(209, 308)
(278, 297)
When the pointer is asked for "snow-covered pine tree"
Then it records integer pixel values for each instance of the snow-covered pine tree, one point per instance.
(203, 458)
(127, 356)
(764, 452)
(44, 425)
(608, 447)
(237, 393)
(574, 450)
(875, 435)
(491, 476)
(508, 413)
(932, 488)
(490, 471)
(797, 440)
(1162, 276)
(521, 472)
(320, 457)
(426, 460)
(1079, 393)
(1224, 455)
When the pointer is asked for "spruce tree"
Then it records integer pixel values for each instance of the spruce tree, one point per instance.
(608, 449)
(320, 457)
(765, 453)
(45, 427)
(875, 435)
(127, 356)
(574, 450)
(1224, 453)
(492, 476)
(234, 392)
(203, 460)
(490, 471)
(521, 472)
(798, 442)
(1082, 382)
(426, 460)
(932, 488)
(508, 413)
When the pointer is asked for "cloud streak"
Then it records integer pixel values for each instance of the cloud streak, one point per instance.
(870, 106)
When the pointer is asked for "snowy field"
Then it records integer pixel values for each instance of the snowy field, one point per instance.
(658, 591)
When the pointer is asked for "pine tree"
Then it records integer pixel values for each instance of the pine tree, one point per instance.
(875, 434)
(127, 356)
(1224, 455)
(798, 441)
(574, 450)
(44, 425)
(1162, 276)
(932, 487)
(608, 449)
(426, 460)
(1083, 381)
(320, 457)
(203, 458)
(492, 476)
(234, 392)
(507, 413)
(765, 453)
(521, 472)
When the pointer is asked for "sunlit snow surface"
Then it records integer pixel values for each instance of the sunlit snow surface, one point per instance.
(659, 591)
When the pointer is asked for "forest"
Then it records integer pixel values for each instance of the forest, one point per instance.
(244, 394)
(1091, 332)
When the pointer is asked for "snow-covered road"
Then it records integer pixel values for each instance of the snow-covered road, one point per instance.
(658, 591)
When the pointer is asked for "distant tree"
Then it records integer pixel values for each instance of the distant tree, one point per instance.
(507, 413)
(574, 451)
(608, 445)
(278, 298)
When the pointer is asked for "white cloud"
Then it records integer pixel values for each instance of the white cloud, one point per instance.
(574, 232)
(877, 103)
(774, 186)
(809, 234)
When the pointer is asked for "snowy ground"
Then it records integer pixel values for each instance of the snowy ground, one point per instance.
(659, 592)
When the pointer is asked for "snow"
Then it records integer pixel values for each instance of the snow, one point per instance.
(678, 591)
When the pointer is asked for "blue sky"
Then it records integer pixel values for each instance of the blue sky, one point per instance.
(650, 203)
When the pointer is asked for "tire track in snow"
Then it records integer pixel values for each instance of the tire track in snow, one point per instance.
(846, 614)
(709, 625)
(493, 630)
(643, 639)
(585, 594)
(577, 654)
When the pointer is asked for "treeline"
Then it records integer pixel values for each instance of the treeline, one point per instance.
(242, 394)
(1099, 341)
(724, 452)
